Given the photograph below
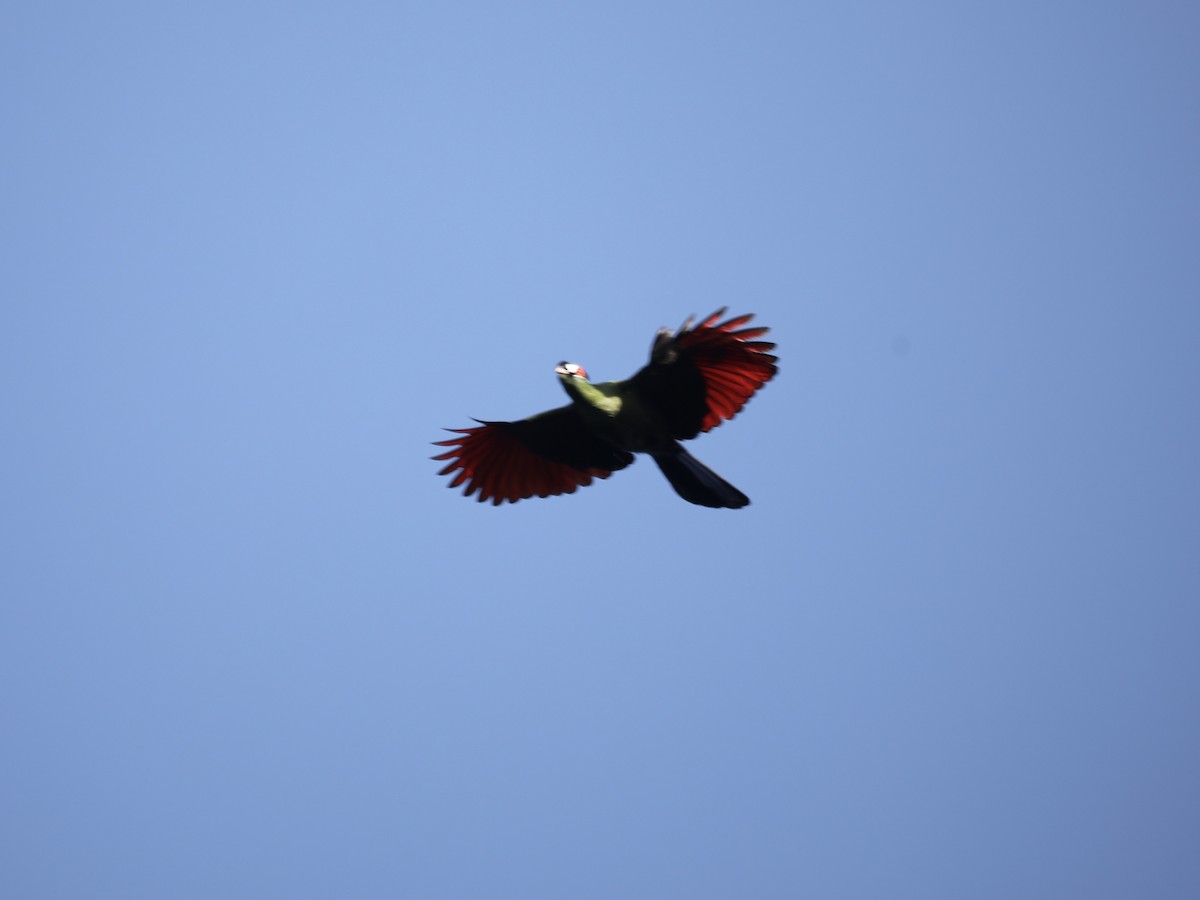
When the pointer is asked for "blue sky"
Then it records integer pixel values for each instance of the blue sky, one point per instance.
(256, 255)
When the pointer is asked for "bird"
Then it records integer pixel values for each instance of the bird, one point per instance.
(698, 376)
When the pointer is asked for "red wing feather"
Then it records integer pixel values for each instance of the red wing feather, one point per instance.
(492, 460)
(733, 364)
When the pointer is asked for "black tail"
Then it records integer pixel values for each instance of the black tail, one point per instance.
(697, 483)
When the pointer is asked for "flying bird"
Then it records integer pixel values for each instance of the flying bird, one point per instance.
(697, 377)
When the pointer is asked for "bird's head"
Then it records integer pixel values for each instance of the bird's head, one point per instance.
(571, 370)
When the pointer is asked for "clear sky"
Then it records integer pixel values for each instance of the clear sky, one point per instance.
(255, 256)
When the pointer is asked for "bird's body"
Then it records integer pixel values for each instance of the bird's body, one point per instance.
(696, 378)
(616, 415)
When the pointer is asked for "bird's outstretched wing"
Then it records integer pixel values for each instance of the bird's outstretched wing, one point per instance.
(550, 453)
(701, 375)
